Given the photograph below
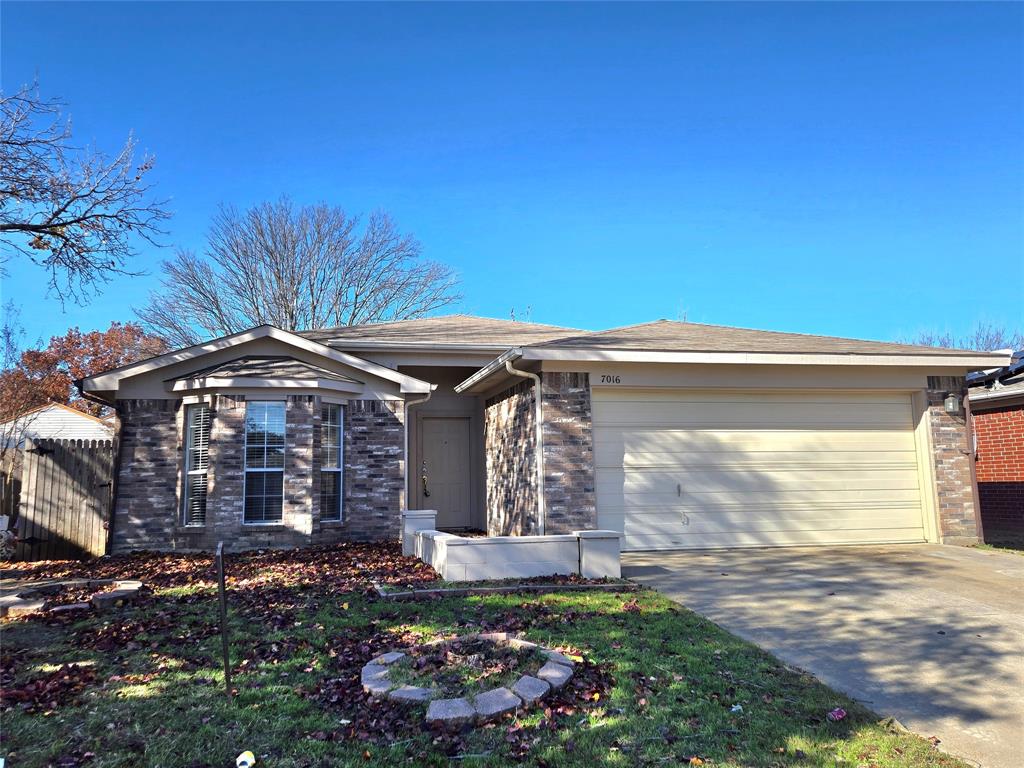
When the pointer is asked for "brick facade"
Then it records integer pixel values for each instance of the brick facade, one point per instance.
(148, 508)
(510, 458)
(148, 474)
(374, 472)
(952, 464)
(1000, 471)
(570, 502)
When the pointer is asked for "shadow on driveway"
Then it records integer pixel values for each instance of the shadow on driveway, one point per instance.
(932, 635)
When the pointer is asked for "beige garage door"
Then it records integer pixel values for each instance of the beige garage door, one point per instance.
(688, 468)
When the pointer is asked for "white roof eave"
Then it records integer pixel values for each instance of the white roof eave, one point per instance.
(478, 381)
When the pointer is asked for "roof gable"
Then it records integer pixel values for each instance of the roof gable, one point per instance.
(109, 380)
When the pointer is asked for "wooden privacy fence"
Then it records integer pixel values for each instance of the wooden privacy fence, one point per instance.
(65, 499)
(10, 483)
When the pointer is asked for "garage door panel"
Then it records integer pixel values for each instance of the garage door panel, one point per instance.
(605, 395)
(704, 521)
(639, 482)
(738, 539)
(612, 445)
(755, 415)
(752, 469)
(780, 502)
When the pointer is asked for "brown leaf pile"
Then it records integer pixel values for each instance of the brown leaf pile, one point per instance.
(49, 690)
(343, 567)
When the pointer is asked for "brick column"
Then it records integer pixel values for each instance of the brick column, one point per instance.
(958, 518)
(146, 509)
(300, 503)
(374, 471)
(569, 497)
(225, 499)
(510, 454)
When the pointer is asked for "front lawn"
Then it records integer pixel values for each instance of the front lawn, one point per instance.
(660, 686)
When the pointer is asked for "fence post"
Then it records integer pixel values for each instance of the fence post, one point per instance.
(223, 617)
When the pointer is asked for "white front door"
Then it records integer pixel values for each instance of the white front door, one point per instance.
(444, 471)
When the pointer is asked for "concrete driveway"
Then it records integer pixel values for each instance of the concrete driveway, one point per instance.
(930, 634)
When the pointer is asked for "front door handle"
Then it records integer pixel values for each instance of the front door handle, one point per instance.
(423, 478)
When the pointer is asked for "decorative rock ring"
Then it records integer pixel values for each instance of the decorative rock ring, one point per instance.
(483, 707)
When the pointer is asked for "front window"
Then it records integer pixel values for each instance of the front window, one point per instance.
(197, 463)
(331, 461)
(264, 461)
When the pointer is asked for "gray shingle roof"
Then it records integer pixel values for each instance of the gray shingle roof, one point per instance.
(670, 336)
(266, 368)
(448, 329)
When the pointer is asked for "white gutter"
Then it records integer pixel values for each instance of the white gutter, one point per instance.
(405, 448)
(539, 440)
(494, 366)
(969, 361)
(996, 393)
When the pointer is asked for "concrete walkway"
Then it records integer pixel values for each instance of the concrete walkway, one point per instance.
(930, 634)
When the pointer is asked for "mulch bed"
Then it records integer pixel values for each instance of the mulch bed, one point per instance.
(465, 664)
(343, 568)
(382, 722)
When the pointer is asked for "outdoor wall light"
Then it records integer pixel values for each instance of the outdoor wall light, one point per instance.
(952, 403)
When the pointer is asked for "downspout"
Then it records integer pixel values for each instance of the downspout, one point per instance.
(539, 439)
(409, 404)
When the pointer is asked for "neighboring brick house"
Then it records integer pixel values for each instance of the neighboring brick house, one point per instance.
(674, 434)
(997, 411)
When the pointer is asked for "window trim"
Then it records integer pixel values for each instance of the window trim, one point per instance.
(187, 471)
(246, 469)
(340, 469)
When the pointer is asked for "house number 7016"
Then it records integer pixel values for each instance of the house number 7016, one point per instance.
(607, 378)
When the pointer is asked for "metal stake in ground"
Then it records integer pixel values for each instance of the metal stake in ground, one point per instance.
(223, 617)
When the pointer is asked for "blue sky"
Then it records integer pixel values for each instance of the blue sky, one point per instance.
(853, 170)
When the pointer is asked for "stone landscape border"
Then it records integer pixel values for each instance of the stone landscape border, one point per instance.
(32, 598)
(435, 592)
(483, 707)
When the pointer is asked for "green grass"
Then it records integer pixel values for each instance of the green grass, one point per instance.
(158, 698)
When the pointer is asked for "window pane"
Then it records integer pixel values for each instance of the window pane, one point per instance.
(331, 459)
(264, 450)
(197, 439)
(275, 457)
(195, 499)
(263, 496)
(330, 495)
(264, 429)
(197, 460)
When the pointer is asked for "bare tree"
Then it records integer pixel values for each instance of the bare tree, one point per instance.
(983, 336)
(72, 210)
(296, 267)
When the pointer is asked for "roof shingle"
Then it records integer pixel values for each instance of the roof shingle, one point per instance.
(670, 336)
(449, 329)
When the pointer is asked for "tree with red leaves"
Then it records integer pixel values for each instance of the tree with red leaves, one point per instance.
(41, 376)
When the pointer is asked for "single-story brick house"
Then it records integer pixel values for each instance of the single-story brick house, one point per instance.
(996, 400)
(675, 434)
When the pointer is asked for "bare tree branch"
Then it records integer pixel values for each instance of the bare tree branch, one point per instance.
(985, 337)
(72, 210)
(296, 267)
